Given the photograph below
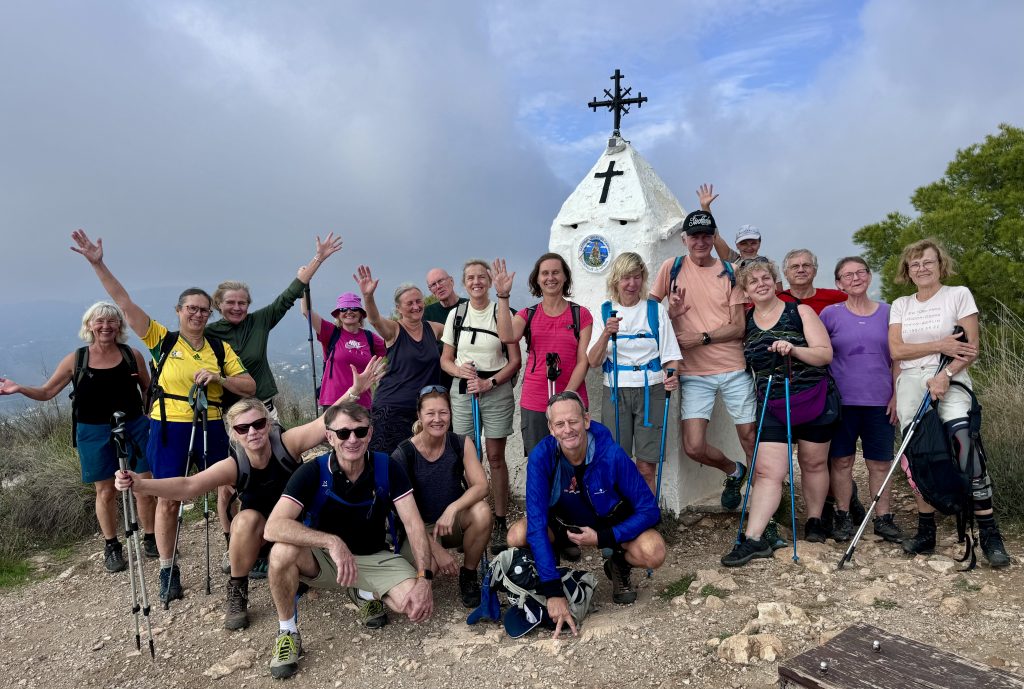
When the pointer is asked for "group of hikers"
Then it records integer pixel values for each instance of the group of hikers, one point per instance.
(412, 408)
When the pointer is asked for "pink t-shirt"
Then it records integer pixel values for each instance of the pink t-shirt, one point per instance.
(707, 305)
(550, 334)
(350, 349)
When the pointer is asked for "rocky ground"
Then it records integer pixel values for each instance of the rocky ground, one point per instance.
(728, 628)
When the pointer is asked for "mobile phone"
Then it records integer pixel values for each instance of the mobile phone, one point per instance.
(571, 528)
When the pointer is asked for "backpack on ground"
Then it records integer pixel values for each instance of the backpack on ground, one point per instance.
(333, 343)
(158, 394)
(514, 572)
(82, 369)
(381, 491)
(531, 311)
(677, 265)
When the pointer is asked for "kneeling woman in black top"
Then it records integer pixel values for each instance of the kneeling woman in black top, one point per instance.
(450, 488)
(776, 330)
(263, 458)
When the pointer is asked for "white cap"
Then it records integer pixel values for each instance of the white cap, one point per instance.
(747, 232)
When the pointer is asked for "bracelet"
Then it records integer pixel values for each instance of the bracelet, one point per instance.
(316, 259)
(503, 296)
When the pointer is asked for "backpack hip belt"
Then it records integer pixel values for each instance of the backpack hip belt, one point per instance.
(652, 365)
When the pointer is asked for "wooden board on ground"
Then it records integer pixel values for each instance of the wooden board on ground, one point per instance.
(899, 663)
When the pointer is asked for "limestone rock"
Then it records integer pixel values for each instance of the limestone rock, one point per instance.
(767, 647)
(714, 603)
(735, 649)
(953, 606)
(941, 564)
(868, 594)
(784, 614)
(239, 660)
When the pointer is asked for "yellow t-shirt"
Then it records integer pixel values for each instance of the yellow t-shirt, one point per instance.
(178, 374)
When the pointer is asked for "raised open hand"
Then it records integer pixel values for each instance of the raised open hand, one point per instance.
(502, 278)
(328, 246)
(706, 196)
(92, 252)
(364, 278)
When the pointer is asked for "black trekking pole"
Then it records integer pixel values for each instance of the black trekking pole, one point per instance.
(789, 448)
(908, 434)
(553, 362)
(131, 533)
(202, 409)
(312, 356)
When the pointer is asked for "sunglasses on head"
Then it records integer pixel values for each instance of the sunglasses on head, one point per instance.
(345, 433)
(433, 388)
(757, 259)
(243, 428)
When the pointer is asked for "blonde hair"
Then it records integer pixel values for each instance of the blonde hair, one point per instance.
(744, 274)
(103, 309)
(624, 265)
(229, 286)
(242, 406)
(946, 265)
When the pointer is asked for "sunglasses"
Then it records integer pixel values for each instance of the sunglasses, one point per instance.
(345, 433)
(345, 309)
(433, 388)
(243, 428)
(757, 259)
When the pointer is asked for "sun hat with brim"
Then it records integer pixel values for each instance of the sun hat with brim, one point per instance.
(349, 300)
(521, 621)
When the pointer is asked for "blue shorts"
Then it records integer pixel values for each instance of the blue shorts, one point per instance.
(97, 453)
(170, 459)
(871, 425)
(699, 392)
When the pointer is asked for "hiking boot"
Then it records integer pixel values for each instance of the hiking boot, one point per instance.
(814, 530)
(259, 569)
(170, 584)
(772, 537)
(923, 543)
(746, 550)
(372, 613)
(469, 587)
(113, 557)
(149, 548)
(993, 548)
(237, 604)
(842, 526)
(617, 570)
(225, 563)
(571, 553)
(828, 514)
(731, 492)
(885, 526)
(857, 509)
(287, 649)
(499, 537)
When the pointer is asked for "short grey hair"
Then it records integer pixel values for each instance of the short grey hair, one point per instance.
(796, 252)
(103, 309)
(402, 289)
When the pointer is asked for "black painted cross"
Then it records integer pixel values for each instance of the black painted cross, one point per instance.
(608, 174)
(618, 102)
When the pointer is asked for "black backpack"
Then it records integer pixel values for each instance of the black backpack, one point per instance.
(82, 369)
(158, 394)
(278, 452)
(531, 311)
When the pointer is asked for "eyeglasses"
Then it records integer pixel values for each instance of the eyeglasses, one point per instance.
(345, 433)
(243, 428)
(854, 274)
(927, 264)
(802, 266)
(433, 388)
(193, 310)
(437, 283)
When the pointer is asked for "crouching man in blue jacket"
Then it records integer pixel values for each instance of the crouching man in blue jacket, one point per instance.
(582, 489)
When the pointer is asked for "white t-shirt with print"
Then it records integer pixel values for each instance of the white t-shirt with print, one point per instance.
(927, 321)
(637, 351)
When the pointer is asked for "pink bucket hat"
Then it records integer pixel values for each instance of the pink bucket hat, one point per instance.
(349, 300)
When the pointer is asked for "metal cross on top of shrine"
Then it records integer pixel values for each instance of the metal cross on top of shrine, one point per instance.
(618, 102)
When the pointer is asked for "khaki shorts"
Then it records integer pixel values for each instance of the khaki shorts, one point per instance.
(496, 410)
(378, 573)
(640, 441)
(452, 540)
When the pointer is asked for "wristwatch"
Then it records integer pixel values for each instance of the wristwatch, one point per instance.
(705, 339)
(949, 374)
(425, 574)
(494, 382)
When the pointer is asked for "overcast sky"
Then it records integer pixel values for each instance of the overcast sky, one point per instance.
(213, 140)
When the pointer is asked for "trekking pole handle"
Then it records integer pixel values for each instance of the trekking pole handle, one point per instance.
(612, 314)
(669, 372)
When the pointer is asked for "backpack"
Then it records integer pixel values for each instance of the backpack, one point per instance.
(458, 327)
(278, 453)
(333, 342)
(457, 442)
(325, 492)
(532, 310)
(514, 572)
(81, 369)
(677, 265)
(652, 365)
(158, 394)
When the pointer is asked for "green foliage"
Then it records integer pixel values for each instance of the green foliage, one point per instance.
(677, 587)
(977, 211)
(712, 590)
(881, 604)
(14, 572)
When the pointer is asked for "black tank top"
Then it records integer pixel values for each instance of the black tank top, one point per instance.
(789, 327)
(412, 366)
(265, 485)
(103, 391)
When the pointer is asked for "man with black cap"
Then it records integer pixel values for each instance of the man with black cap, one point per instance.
(707, 311)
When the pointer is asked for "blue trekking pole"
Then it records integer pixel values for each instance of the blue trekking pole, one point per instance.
(757, 444)
(661, 452)
(789, 449)
(615, 376)
(489, 607)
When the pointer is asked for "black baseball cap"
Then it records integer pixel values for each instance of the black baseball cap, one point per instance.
(699, 222)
